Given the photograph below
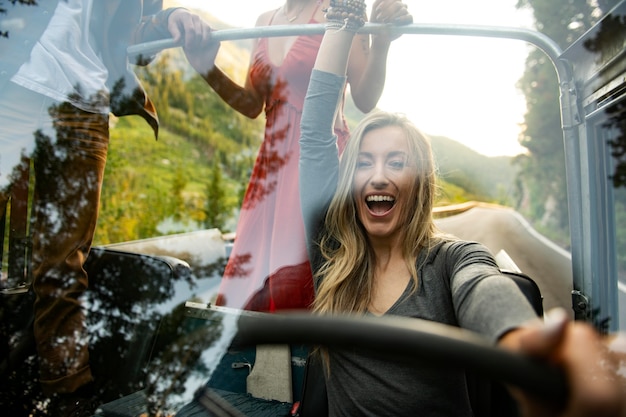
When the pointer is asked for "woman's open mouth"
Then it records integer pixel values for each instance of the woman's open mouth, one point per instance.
(380, 204)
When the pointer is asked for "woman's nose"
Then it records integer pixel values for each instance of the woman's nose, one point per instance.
(379, 176)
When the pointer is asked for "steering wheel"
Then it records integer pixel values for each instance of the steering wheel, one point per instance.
(415, 340)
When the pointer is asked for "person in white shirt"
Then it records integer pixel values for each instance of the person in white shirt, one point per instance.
(63, 69)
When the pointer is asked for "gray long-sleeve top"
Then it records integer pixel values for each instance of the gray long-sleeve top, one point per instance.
(459, 284)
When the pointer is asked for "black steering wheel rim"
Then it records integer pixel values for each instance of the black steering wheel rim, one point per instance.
(416, 340)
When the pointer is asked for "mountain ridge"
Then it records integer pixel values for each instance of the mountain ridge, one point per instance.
(492, 177)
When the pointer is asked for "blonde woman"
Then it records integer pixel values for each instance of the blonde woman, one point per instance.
(375, 251)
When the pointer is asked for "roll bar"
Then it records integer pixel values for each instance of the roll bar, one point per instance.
(570, 116)
(538, 39)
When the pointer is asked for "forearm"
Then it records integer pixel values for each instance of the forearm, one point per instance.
(366, 85)
(319, 159)
(594, 380)
(239, 98)
(334, 52)
(368, 66)
(319, 162)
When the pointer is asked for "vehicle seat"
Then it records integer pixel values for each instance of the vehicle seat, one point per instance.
(123, 291)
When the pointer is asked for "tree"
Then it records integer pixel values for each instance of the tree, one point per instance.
(216, 208)
(542, 170)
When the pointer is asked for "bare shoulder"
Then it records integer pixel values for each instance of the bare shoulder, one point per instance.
(265, 18)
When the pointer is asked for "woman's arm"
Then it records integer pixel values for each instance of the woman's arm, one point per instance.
(319, 162)
(595, 369)
(367, 66)
(244, 99)
(318, 149)
(334, 50)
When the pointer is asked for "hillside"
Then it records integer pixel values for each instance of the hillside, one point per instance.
(488, 178)
(195, 175)
(480, 176)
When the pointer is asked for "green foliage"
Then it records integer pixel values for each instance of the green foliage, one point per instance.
(542, 183)
(176, 356)
(449, 194)
(467, 175)
(543, 168)
(565, 21)
(195, 175)
(217, 207)
(192, 177)
(619, 210)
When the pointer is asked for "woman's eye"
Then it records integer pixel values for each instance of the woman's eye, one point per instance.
(397, 164)
(363, 164)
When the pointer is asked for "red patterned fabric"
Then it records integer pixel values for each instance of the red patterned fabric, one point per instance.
(268, 269)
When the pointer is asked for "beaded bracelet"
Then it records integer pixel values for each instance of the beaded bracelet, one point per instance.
(346, 15)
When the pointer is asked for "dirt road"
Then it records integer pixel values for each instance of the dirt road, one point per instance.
(504, 229)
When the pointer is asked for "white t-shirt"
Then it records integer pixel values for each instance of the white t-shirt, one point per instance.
(64, 64)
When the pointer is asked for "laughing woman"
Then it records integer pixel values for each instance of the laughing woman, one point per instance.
(375, 251)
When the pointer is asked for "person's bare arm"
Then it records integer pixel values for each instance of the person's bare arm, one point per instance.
(334, 51)
(246, 100)
(201, 55)
(367, 68)
(592, 370)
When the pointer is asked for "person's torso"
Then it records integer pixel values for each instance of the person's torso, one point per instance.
(65, 63)
(285, 81)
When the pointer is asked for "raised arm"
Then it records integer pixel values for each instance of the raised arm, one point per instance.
(244, 99)
(318, 150)
(334, 51)
(319, 160)
(194, 35)
(367, 67)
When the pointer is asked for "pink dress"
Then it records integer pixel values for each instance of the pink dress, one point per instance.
(268, 268)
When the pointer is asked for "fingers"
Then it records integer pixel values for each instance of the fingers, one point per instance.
(617, 346)
(594, 386)
(194, 35)
(189, 30)
(391, 11)
(591, 367)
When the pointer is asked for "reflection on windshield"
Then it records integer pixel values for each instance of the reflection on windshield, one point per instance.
(91, 316)
(86, 315)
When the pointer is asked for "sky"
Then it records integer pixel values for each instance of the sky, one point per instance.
(462, 88)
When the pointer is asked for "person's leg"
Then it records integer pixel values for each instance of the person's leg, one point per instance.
(68, 177)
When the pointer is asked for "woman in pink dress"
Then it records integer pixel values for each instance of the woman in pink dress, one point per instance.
(268, 269)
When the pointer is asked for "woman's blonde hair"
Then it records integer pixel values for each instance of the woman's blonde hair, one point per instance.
(346, 273)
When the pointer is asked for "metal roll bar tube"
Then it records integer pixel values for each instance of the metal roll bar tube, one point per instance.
(536, 38)
(570, 115)
(417, 335)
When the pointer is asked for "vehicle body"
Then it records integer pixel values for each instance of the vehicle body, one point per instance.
(157, 338)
